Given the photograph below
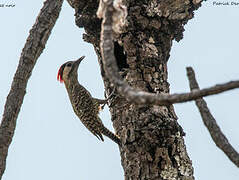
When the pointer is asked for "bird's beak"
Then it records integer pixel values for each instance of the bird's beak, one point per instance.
(77, 62)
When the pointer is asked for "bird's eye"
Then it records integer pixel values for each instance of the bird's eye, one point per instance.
(68, 65)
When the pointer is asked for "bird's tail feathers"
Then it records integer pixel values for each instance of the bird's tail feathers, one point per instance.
(111, 135)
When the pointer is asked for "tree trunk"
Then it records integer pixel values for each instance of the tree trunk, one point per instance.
(152, 140)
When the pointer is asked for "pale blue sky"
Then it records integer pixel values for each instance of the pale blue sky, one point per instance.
(51, 143)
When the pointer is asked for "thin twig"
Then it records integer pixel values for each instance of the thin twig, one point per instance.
(217, 135)
(136, 96)
(33, 48)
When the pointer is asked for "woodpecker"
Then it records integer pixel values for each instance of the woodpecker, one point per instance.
(84, 105)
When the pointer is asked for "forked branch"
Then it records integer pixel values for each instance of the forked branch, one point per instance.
(107, 10)
(209, 121)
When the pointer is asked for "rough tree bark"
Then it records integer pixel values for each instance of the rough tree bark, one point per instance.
(153, 145)
(152, 140)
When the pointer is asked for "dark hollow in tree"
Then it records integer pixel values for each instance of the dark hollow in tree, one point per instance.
(153, 145)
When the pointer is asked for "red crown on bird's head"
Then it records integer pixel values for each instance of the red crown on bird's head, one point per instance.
(60, 73)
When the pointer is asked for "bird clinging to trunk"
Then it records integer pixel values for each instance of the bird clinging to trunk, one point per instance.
(84, 105)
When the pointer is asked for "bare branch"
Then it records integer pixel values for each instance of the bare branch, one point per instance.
(217, 135)
(33, 48)
(136, 96)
